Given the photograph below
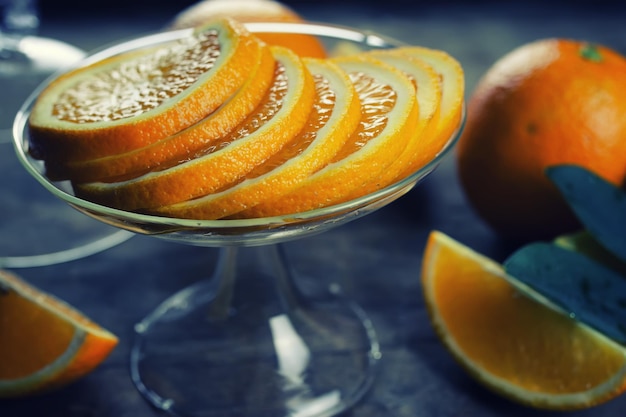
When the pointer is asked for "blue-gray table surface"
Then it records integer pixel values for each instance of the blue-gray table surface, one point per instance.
(377, 257)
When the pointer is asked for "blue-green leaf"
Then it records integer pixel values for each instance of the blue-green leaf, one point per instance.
(585, 289)
(599, 205)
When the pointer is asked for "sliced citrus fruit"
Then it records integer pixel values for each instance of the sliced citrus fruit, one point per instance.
(45, 342)
(281, 115)
(428, 87)
(179, 146)
(512, 339)
(389, 114)
(335, 115)
(453, 92)
(130, 101)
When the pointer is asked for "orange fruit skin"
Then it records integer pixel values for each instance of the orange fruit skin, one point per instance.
(251, 11)
(548, 102)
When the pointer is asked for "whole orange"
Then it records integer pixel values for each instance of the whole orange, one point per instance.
(548, 102)
(250, 11)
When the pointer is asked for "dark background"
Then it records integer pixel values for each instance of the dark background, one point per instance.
(118, 8)
(475, 32)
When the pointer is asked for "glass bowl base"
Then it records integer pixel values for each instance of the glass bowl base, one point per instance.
(248, 343)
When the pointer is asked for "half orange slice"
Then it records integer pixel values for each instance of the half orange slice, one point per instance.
(453, 92)
(336, 114)
(130, 101)
(389, 116)
(179, 146)
(429, 91)
(280, 117)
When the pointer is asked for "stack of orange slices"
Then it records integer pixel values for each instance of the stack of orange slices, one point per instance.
(222, 125)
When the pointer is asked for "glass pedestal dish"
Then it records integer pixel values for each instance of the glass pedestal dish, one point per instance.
(248, 341)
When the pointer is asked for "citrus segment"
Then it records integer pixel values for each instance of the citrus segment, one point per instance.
(178, 146)
(250, 11)
(453, 92)
(281, 115)
(124, 103)
(335, 115)
(45, 342)
(389, 114)
(511, 338)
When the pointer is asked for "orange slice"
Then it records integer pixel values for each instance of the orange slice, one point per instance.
(389, 116)
(428, 87)
(45, 343)
(130, 101)
(179, 146)
(512, 339)
(282, 114)
(336, 114)
(453, 92)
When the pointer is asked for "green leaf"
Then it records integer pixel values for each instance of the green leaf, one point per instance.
(584, 243)
(599, 205)
(585, 289)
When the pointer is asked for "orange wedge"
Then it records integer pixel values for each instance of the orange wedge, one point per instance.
(179, 146)
(130, 101)
(45, 343)
(512, 339)
(336, 114)
(389, 116)
(282, 114)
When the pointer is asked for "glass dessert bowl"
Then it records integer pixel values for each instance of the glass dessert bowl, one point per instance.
(247, 340)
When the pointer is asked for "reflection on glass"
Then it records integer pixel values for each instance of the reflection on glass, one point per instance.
(293, 355)
(293, 359)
